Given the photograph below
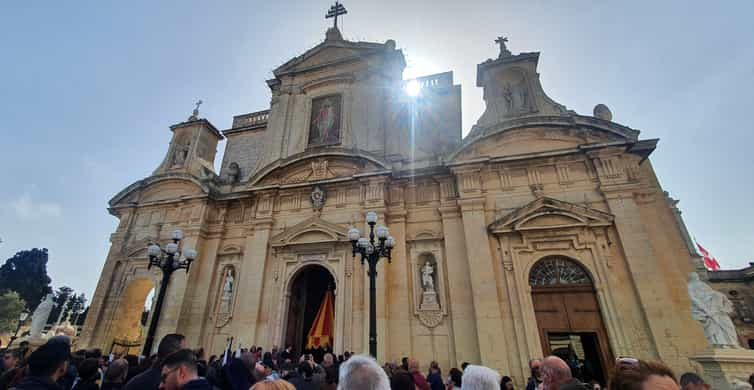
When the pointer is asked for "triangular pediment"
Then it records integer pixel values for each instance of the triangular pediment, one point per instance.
(314, 230)
(327, 53)
(550, 213)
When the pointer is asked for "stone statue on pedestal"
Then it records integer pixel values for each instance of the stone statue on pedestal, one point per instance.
(40, 316)
(227, 292)
(712, 308)
(428, 281)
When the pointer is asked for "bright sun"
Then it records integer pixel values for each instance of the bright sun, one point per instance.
(413, 88)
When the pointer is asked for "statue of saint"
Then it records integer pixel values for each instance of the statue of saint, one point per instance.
(712, 308)
(428, 282)
(227, 291)
(40, 316)
(180, 154)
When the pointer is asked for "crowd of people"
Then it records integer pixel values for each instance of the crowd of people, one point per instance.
(53, 366)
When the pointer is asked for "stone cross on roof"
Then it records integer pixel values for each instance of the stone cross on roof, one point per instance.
(504, 52)
(195, 115)
(335, 11)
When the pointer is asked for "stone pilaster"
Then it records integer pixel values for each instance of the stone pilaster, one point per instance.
(461, 300)
(483, 284)
(398, 337)
(251, 280)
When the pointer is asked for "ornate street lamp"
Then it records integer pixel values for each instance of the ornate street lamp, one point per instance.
(371, 252)
(21, 318)
(168, 260)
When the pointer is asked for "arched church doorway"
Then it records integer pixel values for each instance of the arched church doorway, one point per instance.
(308, 294)
(129, 322)
(569, 318)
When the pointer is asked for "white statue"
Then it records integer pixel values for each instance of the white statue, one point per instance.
(428, 282)
(712, 308)
(227, 291)
(40, 316)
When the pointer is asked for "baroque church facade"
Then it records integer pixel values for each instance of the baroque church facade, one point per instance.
(545, 231)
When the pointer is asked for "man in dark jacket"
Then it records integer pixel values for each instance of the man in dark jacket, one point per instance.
(150, 379)
(179, 372)
(46, 365)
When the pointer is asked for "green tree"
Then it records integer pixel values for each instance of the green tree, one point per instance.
(63, 296)
(26, 274)
(11, 306)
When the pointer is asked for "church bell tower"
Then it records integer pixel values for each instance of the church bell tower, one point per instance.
(193, 147)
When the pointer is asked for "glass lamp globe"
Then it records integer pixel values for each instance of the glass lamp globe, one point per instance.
(178, 234)
(153, 250)
(371, 217)
(362, 242)
(353, 234)
(381, 232)
(190, 254)
(390, 242)
(171, 248)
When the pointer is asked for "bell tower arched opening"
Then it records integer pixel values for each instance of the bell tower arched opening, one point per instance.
(569, 318)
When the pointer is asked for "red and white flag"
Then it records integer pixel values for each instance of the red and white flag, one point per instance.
(709, 261)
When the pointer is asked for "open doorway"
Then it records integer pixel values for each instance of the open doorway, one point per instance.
(307, 293)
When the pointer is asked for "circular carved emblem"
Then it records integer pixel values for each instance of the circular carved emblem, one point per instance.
(430, 318)
(317, 197)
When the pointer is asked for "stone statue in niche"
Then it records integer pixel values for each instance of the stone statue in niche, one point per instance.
(429, 300)
(516, 98)
(227, 293)
(712, 309)
(428, 281)
(180, 153)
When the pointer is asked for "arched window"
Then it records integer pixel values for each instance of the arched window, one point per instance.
(558, 271)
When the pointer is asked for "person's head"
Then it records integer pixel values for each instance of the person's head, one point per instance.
(413, 365)
(464, 365)
(169, 344)
(737, 384)
(117, 371)
(364, 373)
(535, 367)
(594, 385)
(555, 372)
(402, 380)
(89, 370)
(199, 354)
(11, 358)
(404, 363)
(506, 383)
(434, 367)
(50, 360)
(480, 378)
(305, 369)
(642, 375)
(691, 381)
(455, 376)
(273, 385)
(178, 368)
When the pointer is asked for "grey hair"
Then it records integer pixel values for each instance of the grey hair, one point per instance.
(480, 378)
(362, 372)
(740, 385)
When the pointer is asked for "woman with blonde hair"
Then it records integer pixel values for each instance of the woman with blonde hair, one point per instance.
(278, 384)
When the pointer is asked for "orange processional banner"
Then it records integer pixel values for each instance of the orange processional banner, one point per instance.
(321, 333)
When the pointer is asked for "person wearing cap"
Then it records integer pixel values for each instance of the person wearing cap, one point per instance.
(266, 370)
(46, 365)
(150, 379)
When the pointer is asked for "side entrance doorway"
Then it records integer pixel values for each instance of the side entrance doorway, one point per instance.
(568, 317)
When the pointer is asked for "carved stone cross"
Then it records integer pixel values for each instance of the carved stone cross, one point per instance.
(503, 49)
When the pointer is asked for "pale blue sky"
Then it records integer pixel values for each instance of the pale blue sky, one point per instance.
(88, 90)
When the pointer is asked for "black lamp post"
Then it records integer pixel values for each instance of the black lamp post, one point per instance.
(371, 252)
(168, 260)
(21, 318)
